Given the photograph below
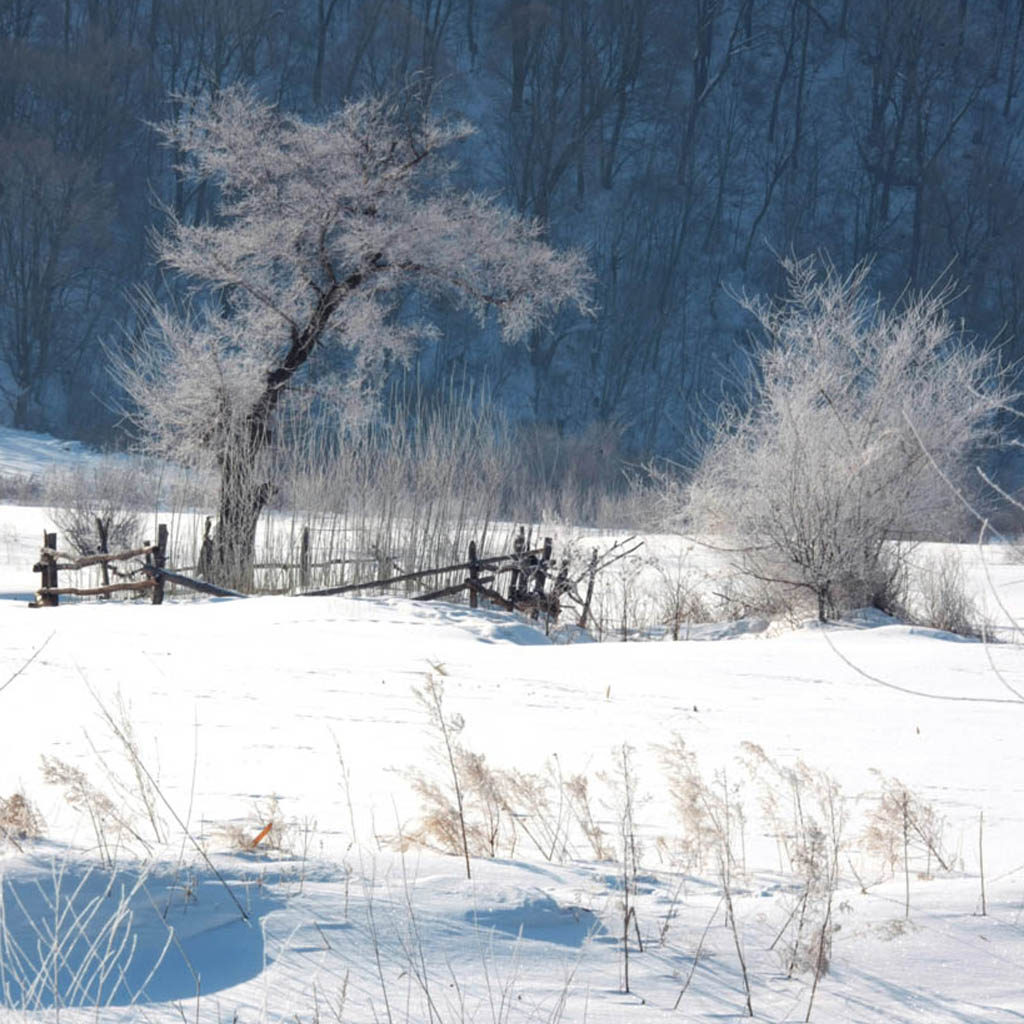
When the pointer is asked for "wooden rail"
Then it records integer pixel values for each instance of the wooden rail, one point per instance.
(72, 564)
(408, 577)
(103, 591)
(159, 574)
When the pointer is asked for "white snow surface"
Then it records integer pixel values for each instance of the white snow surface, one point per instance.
(233, 703)
(28, 454)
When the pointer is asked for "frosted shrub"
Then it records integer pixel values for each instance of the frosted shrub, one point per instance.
(944, 599)
(108, 497)
(831, 472)
(681, 593)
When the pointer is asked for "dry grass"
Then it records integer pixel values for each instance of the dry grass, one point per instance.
(267, 829)
(111, 824)
(20, 819)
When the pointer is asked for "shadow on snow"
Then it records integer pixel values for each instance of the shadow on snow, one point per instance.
(79, 935)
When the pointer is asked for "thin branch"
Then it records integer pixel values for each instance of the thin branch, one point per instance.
(909, 690)
(35, 654)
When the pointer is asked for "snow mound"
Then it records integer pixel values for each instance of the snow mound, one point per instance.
(726, 630)
(539, 918)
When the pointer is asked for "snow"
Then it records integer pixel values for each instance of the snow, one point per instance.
(28, 454)
(234, 703)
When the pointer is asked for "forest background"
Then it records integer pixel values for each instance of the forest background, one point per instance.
(683, 144)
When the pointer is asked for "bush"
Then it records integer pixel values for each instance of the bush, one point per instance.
(108, 493)
(945, 601)
(835, 468)
(18, 489)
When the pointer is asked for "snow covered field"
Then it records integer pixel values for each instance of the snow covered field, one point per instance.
(233, 704)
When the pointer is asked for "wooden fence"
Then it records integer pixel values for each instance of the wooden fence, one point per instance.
(529, 570)
(52, 562)
(304, 566)
(536, 584)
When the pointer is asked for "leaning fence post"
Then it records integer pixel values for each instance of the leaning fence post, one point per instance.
(159, 562)
(304, 560)
(591, 573)
(474, 576)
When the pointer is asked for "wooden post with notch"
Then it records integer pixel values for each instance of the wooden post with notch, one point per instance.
(47, 569)
(474, 576)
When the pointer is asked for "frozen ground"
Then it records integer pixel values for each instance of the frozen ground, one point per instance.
(310, 701)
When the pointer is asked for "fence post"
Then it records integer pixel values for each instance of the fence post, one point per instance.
(541, 576)
(102, 528)
(204, 565)
(159, 562)
(474, 576)
(562, 580)
(591, 573)
(48, 571)
(518, 548)
(304, 560)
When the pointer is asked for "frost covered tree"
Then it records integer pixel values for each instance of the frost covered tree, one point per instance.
(837, 463)
(322, 230)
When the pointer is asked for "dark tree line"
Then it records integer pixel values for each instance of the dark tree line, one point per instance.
(685, 143)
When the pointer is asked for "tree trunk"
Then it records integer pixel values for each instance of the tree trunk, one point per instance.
(243, 496)
(244, 491)
(22, 405)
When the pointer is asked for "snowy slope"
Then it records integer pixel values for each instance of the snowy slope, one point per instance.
(235, 702)
(27, 454)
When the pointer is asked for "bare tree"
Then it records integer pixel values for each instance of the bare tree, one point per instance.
(322, 230)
